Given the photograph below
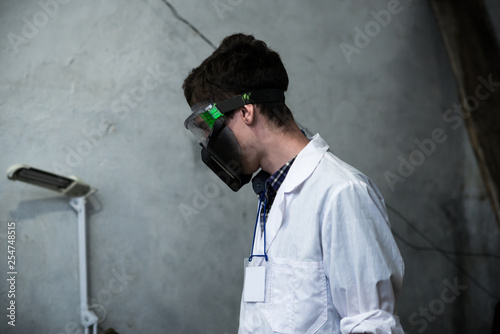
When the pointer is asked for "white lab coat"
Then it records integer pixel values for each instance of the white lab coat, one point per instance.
(334, 266)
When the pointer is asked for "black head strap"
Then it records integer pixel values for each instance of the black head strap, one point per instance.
(257, 96)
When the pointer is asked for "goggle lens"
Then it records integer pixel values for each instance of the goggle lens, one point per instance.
(201, 122)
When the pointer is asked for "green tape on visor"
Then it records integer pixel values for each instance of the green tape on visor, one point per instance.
(210, 116)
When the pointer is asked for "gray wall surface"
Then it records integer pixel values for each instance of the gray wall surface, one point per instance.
(93, 89)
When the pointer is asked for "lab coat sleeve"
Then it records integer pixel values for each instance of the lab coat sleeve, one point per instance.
(362, 261)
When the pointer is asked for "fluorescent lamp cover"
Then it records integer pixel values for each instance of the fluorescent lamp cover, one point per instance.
(70, 186)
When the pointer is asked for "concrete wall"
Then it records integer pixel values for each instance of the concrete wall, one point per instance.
(92, 88)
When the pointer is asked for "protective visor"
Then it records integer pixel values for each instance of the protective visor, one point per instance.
(201, 121)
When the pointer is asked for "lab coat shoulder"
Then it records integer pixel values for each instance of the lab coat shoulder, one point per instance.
(344, 184)
(322, 169)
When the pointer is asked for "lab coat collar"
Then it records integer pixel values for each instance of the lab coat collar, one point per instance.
(302, 168)
(305, 163)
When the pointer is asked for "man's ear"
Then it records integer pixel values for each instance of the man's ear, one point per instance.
(248, 113)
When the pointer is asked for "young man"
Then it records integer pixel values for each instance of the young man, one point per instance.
(323, 258)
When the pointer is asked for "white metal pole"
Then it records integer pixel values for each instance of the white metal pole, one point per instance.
(88, 318)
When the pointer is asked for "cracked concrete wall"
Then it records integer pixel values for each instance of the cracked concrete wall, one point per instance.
(92, 88)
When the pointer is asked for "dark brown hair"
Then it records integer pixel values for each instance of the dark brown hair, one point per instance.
(240, 64)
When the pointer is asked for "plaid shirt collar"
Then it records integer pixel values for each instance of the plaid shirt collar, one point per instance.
(274, 182)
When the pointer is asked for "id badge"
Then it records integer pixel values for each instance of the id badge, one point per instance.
(254, 289)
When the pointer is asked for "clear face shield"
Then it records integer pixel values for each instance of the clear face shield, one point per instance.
(201, 121)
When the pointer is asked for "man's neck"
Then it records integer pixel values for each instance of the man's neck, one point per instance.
(281, 147)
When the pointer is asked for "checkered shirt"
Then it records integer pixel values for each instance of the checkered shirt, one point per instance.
(273, 183)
